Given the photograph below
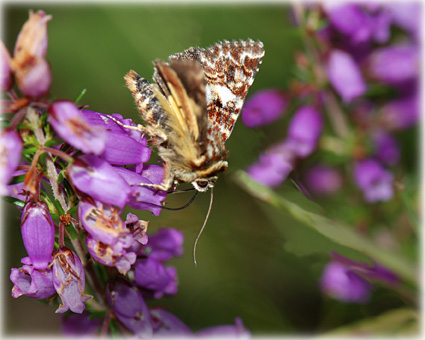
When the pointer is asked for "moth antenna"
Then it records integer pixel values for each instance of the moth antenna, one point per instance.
(202, 229)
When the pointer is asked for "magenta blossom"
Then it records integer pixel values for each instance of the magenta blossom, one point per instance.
(165, 244)
(10, 156)
(5, 68)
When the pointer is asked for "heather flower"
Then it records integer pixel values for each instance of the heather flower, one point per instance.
(28, 281)
(395, 64)
(120, 147)
(345, 75)
(236, 331)
(402, 113)
(5, 68)
(38, 233)
(323, 180)
(386, 148)
(140, 197)
(100, 180)
(374, 181)
(69, 281)
(80, 325)
(151, 274)
(72, 126)
(406, 15)
(138, 228)
(165, 244)
(264, 107)
(304, 131)
(273, 165)
(32, 71)
(10, 156)
(129, 307)
(166, 324)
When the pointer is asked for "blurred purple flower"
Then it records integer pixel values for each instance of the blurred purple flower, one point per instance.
(402, 113)
(304, 131)
(143, 198)
(72, 126)
(323, 180)
(28, 281)
(236, 331)
(5, 68)
(69, 281)
(100, 180)
(130, 308)
(407, 15)
(151, 274)
(374, 181)
(32, 71)
(345, 75)
(38, 233)
(168, 325)
(10, 156)
(165, 244)
(395, 64)
(120, 147)
(386, 148)
(264, 107)
(341, 283)
(80, 325)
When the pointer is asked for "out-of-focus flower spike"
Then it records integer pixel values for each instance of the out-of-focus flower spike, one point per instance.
(10, 156)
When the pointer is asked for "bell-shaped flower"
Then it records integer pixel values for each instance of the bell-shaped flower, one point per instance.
(32, 71)
(345, 76)
(28, 281)
(264, 107)
(100, 180)
(374, 181)
(165, 244)
(120, 146)
(151, 274)
(10, 156)
(323, 180)
(5, 68)
(69, 281)
(236, 331)
(38, 233)
(129, 307)
(386, 146)
(402, 113)
(143, 198)
(138, 229)
(77, 325)
(168, 325)
(73, 127)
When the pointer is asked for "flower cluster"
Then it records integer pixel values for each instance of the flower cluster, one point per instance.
(95, 165)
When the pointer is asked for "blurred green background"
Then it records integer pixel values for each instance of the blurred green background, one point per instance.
(249, 265)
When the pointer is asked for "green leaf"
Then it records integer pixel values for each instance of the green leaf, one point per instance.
(81, 95)
(72, 231)
(17, 179)
(403, 321)
(335, 231)
(14, 201)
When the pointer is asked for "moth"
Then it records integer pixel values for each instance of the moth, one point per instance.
(191, 110)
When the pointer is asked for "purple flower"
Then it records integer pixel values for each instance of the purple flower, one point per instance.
(401, 113)
(236, 331)
(130, 308)
(345, 75)
(165, 244)
(386, 148)
(341, 283)
(143, 198)
(395, 64)
(120, 255)
(100, 180)
(151, 274)
(32, 71)
(168, 325)
(69, 281)
(264, 107)
(374, 181)
(406, 15)
(72, 126)
(28, 281)
(273, 166)
(38, 233)
(138, 228)
(323, 180)
(304, 131)
(5, 68)
(10, 156)
(120, 147)
(80, 325)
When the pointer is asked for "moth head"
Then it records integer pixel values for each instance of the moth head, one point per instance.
(202, 184)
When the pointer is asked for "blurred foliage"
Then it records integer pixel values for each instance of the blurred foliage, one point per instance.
(253, 261)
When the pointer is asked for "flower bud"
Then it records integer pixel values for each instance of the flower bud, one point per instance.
(38, 233)
(69, 281)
